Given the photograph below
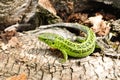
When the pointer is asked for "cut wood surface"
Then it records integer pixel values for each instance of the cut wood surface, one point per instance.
(40, 63)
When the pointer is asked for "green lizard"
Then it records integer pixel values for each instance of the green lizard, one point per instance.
(68, 47)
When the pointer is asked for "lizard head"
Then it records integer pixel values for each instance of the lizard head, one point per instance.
(49, 38)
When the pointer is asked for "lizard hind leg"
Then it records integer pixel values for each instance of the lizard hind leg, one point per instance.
(80, 39)
(65, 55)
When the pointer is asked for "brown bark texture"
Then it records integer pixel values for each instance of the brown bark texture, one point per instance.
(37, 60)
(40, 63)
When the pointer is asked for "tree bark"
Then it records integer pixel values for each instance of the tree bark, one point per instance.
(40, 63)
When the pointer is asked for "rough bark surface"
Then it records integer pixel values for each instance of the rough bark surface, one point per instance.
(40, 63)
(12, 11)
(29, 12)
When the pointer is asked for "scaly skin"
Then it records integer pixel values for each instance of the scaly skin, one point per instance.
(68, 47)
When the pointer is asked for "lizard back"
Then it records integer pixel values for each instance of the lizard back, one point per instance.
(71, 48)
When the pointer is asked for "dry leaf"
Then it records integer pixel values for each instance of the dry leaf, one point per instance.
(47, 5)
(70, 5)
(100, 27)
(14, 42)
(9, 39)
(96, 21)
(5, 37)
(21, 76)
